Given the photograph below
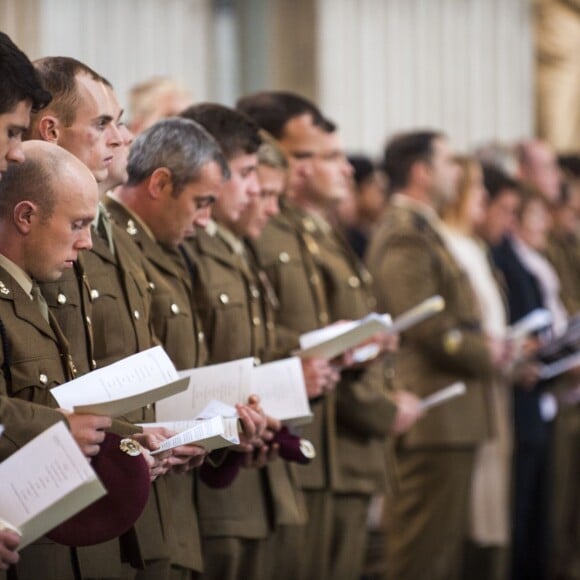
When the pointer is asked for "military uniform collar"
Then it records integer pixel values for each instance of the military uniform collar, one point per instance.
(23, 279)
(314, 222)
(230, 239)
(134, 219)
(425, 211)
(211, 228)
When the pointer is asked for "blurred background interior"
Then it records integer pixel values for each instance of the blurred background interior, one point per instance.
(481, 70)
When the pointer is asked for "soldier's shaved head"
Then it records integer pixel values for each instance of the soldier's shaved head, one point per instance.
(38, 177)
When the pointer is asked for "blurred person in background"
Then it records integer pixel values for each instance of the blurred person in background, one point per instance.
(156, 99)
(563, 252)
(410, 262)
(531, 283)
(538, 168)
(363, 207)
(489, 526)
(502, 204)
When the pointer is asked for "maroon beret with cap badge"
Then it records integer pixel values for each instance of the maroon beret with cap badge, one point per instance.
(124, 473)
(290, 448)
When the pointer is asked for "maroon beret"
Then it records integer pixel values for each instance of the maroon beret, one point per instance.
(223, 474)
(293, 448)
(290, 448)
(124, 473)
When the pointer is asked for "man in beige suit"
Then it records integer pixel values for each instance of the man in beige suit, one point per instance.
(410, 262)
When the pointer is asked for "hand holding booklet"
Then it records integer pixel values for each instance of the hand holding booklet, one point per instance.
(124, 386)
(215, 390)
(280, 386)
(336, 339)
(227, 382)
(45, 483)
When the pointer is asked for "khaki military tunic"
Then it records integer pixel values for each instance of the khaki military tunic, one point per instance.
(34, 358)
(409, 262)
(105, 304)
(236, 313)
(563, 251)
(364, 412)
(22, 421)
(287, 252)
(177, 327)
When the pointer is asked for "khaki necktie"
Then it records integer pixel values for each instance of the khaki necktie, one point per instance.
(39, 300)
(105, 229)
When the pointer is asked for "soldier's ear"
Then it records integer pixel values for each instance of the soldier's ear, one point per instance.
(49, 128)
(420, 173)
(24, 213)
(160, 183)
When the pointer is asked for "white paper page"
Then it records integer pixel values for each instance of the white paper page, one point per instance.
(559, 367)
(418, 313)
(124, 386)
(203, 429)
(211, 410)
(330, 342)
(320, 335)
(443, 395)
(335, 339)
(46, 482)
(228, 382)
(536, 320)
(280, 386)
(217, 409)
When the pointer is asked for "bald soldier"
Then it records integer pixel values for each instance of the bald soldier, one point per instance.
(46, 206)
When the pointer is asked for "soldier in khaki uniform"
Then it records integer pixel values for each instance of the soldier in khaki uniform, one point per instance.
(563, 252)
(235, 308)
(409, 262)
(175, 169)
(103, 304)
(351, 424)
(42, 230)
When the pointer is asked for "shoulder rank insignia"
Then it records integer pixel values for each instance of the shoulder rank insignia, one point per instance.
(131, 228)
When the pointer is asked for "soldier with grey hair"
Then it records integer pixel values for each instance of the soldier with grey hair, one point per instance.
(182, 146)
(176, 170)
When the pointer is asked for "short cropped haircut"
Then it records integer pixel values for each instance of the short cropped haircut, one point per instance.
(271, 110)
(403, 151)
(58, 75)
(235, 132)
(180, 145)
(20, 81)
(32, 180)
